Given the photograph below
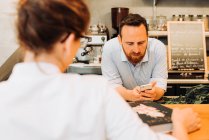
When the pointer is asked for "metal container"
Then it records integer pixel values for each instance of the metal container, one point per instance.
(82, 54)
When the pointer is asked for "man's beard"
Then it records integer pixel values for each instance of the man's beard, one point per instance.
(135, 58)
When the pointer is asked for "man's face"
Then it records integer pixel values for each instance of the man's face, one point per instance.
(134, 42)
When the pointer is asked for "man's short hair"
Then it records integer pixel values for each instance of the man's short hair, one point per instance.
(133, 20)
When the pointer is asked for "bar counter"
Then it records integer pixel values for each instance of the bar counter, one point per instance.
(203, 110)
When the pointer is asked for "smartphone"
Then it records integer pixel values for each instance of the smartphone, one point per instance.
(146, 87)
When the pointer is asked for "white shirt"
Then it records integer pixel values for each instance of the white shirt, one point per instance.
(38, 102)
(119, 71)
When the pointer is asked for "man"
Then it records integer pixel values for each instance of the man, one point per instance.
(132, 59)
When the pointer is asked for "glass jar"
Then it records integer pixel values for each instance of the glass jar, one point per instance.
(187, 18)
(150, 23)
(199, 18)
(161, 23)
(181, 17)
(194, 18)
(175, 18)
(191, 17)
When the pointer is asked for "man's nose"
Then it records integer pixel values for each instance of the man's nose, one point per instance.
(136, 49)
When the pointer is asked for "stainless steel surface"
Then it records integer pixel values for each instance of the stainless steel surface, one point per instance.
(81, 68)
(83, 54)
(91, 48)
(97, 39)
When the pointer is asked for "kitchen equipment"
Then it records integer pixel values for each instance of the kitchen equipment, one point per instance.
(96, 39)
(118, 13)
(91, 48)
(99, 29)
(94, 29)
(102, 28)
(83, 53)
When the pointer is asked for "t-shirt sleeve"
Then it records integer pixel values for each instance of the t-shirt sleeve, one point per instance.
(122, 123)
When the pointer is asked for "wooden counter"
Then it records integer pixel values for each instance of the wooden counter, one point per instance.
(188, 81)
(203, 110)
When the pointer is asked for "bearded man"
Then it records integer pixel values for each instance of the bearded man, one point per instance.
(132, 59)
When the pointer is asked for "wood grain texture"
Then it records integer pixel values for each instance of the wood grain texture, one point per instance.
(203, 110)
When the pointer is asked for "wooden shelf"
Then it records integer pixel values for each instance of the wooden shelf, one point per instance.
(165, 33)
(157, 33)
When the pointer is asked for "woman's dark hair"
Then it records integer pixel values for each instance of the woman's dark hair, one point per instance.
(41, 23)
(133, 20)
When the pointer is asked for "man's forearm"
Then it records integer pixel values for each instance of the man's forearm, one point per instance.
(125, 93)
(129, 95)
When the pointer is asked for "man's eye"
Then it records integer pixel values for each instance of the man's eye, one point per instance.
(130, 44)
(140, 43)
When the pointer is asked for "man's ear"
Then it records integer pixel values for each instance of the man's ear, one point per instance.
(119, 39)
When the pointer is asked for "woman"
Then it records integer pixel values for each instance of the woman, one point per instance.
(39, 102)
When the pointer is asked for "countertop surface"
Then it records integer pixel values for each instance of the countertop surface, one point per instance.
(203, 111)
(95, 68)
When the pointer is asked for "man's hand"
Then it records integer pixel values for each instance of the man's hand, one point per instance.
(129, 95)
(136, 94)
(149, 94)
